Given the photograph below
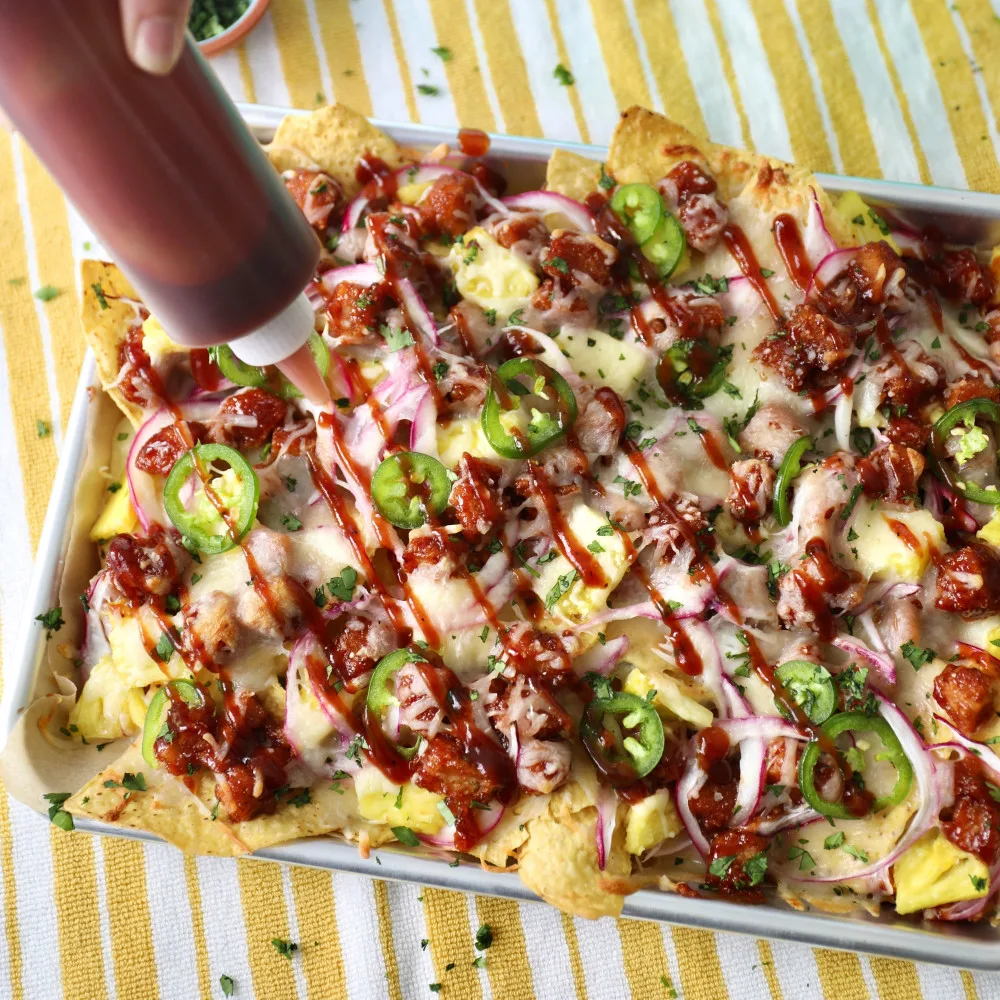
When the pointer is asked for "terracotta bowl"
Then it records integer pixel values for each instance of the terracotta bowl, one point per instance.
(237, 31)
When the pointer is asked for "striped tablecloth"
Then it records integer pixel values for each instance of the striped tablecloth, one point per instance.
(907, 90)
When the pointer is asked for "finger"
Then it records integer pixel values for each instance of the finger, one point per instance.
(154, 32)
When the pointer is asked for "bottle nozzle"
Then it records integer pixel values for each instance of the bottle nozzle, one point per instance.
(282, 341)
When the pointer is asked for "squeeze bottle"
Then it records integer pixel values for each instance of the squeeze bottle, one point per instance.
(167, 175)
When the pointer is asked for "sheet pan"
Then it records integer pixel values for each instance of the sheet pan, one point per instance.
(971, 216)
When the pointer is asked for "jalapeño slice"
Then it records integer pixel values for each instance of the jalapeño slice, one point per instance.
(791, 466)
(964, 414)
(381, 690)
(155, 726)
(690, 370)
(856, 722)
(517, 385)
(810, 686)
(623, 735)
(666, 246)
(194, 514)
(408, 484)
(258, 378)
(640, 209)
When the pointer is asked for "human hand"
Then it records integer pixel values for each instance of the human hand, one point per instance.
(154, 32)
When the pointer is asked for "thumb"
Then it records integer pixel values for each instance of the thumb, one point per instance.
(154, 32)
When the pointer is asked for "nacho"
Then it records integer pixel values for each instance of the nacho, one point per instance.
(646, 528)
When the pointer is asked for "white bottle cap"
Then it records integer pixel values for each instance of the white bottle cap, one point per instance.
(278, 338)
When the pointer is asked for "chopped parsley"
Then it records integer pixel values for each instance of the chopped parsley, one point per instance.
(395, 339)
(916, 655)
(134, 782)
(559, 264)
(756, 868)
(291, 522)
(630, 488)
(52, 621)
(284, 948)
(428, 89)
(484, 937)
(856, 852)
(164, 647)
(978, 883)
(226, 982)
(47, 293)
(563, 75)
(406, 836)
(721, 865)
(342, 587)
(442, 52)
(57, 815)
(834, 840)
(559, 588)
(606, 182)
(42, 429)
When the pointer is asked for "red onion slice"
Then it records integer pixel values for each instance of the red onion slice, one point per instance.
(882, 662)
(607, 817)
(690, 784)
(419, 314)
(798, 816)
(551, 203)
(330, 732)
(828, 269)
(94, 643)
(602, 658)
(142, 488)
(357, 274)
(986, 756)
(816, 239)
(885, 591)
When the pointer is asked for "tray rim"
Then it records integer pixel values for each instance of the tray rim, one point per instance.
(949, 945)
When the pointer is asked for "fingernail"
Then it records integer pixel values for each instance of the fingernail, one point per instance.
(158, 42)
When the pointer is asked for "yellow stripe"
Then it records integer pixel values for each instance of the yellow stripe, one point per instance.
(321, 956)
(451, 939)
(901, 98)
(621, 55)
(299, 61)
(197, 925)
(958, 90)
(343, 55)
(895, 980)
(847, 110)
(130, 928)
(74, 885)
(563, 53)
(23, 349)
(984, 35)
(645, 960)
(266, 919)
(840, 975)
(575, 962)
(385, 938)
(507, 958)
(767, 966)
(465, 78)
(727, 71)
(969, 985)
(698, 962)
(507, 68)
(791, 77)
(56, 266)
(246, 74)
(11, 928)
(669, 64)
(404, 67)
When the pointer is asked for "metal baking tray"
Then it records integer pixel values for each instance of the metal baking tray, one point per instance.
(967, 216)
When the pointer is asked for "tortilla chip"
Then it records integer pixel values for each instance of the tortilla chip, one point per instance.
(107, 317)
(645, 146)
(289, 158)
(335, 137)
(559, 859)
(572, 175)
(184, 817)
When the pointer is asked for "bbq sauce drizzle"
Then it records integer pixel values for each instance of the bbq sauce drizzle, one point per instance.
(453, 694)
